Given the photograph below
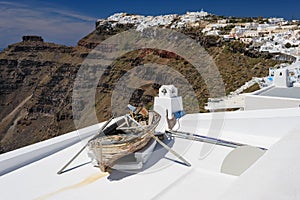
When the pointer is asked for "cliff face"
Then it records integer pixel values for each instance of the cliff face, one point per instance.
(36, 80)
(35, 91)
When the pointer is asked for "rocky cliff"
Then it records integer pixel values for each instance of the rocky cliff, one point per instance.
(35, 91)
(36, 80)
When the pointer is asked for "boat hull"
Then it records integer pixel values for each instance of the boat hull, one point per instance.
(108, 149)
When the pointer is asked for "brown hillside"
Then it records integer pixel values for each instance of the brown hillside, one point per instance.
(37, 81)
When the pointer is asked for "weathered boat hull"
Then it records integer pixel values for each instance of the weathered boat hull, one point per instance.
(108, 149)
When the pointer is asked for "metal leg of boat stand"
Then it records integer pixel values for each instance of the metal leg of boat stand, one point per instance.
(171, 150)
(165, 146)
(77, 154)
(206, 139)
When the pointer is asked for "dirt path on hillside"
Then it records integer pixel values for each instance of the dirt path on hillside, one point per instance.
(12, 113)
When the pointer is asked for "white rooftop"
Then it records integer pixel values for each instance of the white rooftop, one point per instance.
(165, 177)
(291, 92)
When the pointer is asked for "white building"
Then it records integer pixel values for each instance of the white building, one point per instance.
(289, 27)
(250, 33)
(222, 21)
(116, 16)
(282, 91)
(214, 32)
(271, 48)
(251, 26)
(246, 40)
(274, 20)
(200, 14)
(267, 28)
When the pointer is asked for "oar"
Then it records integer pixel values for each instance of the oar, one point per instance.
(164, 145)
(77, 154)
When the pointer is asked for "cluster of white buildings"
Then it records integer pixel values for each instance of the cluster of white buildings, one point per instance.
(286, 42)
(141, 21)
(275, 35)
(189, 19)
(172, 21)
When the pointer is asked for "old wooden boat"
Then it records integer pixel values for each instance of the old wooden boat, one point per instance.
(125, 136)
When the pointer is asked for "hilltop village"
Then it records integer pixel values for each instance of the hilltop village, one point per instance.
(272, 35)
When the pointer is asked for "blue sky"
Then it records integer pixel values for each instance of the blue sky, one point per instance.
(66, 21)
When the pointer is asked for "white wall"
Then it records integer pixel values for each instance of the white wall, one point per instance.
(253, 102)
